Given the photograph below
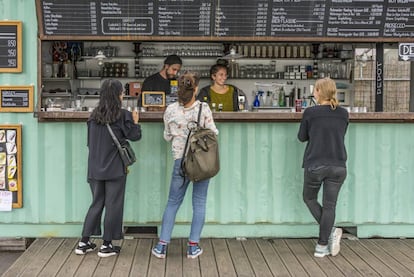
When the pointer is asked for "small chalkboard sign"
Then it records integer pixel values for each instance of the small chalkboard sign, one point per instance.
(16, 98)
(153, 99)
(10, 46)
(11, 162)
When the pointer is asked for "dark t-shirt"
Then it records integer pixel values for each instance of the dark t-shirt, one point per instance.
(104, 161)
(324, 129)
(156, 83)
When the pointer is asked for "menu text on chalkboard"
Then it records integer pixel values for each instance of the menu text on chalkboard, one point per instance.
(16, 98)
(218, 20)
(10, 46)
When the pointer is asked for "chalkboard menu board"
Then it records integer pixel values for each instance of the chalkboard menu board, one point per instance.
(16, 98)
(10, 46)
(11, 184)
(217, 20)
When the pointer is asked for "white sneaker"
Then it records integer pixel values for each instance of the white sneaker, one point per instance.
(321, 251)
(335, 241)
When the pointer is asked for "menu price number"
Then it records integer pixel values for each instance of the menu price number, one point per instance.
(10, 46)
(16, 98)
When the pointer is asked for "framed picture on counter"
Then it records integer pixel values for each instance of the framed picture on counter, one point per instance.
(153, 99)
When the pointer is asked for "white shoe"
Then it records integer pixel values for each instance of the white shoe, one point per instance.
(335, 241)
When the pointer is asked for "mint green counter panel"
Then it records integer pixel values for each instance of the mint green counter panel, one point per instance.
(257, 192)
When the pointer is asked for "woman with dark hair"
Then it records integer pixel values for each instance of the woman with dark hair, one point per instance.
(106, 171)
(324, 162)
(176, 118)
(220, 93)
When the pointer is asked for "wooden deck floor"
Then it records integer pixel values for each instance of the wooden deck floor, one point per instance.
(221, 257)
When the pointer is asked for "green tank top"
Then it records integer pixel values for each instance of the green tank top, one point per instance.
(226, 99)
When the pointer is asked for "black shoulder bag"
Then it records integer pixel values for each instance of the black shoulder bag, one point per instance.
(126, 151)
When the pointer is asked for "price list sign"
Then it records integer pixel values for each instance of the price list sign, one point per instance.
(184, 18)
(297, 18)
(68, 17)
(399, 19)
(354, 18)
(236, 19)
(16, 98)
(10, 46)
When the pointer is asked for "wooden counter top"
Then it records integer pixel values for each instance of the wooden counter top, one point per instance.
(380, 117)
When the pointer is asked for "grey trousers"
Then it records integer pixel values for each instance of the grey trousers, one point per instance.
(332, 178)
(108, 194)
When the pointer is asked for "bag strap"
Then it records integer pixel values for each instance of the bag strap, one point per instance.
(182, 173)
(118, 145)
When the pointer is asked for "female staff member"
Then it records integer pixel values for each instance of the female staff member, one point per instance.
(220, 93)
(106, 172)
(176, 118)
(324, 162)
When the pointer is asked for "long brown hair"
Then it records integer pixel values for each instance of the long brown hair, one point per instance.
(187, 84)
(327, 91)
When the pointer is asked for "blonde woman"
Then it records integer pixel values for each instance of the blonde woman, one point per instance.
(324, 127)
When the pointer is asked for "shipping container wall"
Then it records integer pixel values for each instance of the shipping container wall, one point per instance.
(258, 191)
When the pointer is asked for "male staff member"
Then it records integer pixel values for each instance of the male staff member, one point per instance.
(160, 81)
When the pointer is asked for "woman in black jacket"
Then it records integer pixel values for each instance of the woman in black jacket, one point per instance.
(106, 171)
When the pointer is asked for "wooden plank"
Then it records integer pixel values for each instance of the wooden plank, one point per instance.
(308, 262)
(385, 259)
(288, 258)
(141, 260)
(174, 266)
(371, 259)
(72, 262)
(208, 266)
(124, 261)
(397, 251)
(223, 259)
(409, 243)
(353, 258)
(28, 257)
(59, 258)
(257, 261)
(403, 248)
(332, 266)
(240, 261)
(272, 258)
(191, 267)
(42, 258)
(157, 266)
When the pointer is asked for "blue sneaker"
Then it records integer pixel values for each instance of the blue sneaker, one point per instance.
(321, 251)
(159, 250)
(334, 242)
(193, 251)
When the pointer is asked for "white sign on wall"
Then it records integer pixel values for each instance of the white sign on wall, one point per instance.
(406, 51)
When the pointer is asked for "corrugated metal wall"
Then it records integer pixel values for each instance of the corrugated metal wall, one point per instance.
(257, 192)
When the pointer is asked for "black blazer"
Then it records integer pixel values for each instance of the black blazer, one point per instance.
(104, 161)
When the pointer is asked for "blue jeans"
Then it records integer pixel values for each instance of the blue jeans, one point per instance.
(332, 178)
(175, 198)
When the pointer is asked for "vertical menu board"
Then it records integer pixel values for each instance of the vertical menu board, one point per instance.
(10, 46)
(11, 163)
(16, 98)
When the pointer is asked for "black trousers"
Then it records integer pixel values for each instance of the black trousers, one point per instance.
(108, 194)
(332, 178)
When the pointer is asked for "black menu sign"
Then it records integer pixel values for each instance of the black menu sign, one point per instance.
(215, 19)
(16, 98)
(10, 46)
